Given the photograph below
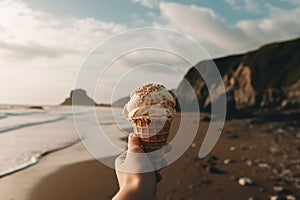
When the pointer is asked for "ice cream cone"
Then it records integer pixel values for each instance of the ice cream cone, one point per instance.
(153, 133)
(151, 110)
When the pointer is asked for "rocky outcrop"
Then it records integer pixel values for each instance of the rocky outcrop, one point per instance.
(261, 80)
(36, 107)
(79, 97)
(292, 96)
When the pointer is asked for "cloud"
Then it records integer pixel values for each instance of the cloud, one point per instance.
(252, 6)
(34, 50)
(292, 2)
(27, 29)
(233, 3)
(204, 25)
(221, 38)
(262, 8)
(281, 26)
(147, 3)
(42, 52)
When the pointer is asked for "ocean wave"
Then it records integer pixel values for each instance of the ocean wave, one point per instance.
(19, 113)
(32, 161)
(22, 149)
(3, 115)
(19, 126)
(6, 106)
(35, 159)
(23, 113)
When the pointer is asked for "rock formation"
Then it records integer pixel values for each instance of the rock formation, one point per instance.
(79, 97)
(261, 80)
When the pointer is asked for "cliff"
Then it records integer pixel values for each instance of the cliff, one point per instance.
(258, 81)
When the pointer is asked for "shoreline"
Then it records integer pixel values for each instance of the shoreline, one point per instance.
(18, 186)
(36, 159)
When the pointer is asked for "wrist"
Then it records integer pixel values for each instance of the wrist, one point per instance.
(129, 193)
(134, 187)
(131, 183)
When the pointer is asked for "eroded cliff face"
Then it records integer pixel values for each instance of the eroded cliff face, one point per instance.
(239, 87)
(262, 80)
(292, 96)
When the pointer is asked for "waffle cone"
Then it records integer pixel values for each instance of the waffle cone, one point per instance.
(153, 134)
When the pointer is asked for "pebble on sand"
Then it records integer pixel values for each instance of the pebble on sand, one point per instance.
(274, 197)
(278, 189)
(193, 145)
(290, 197)
(264, 165)
(287, 197)
(249, 162)
(252, 198)
(245, 181)
(232, 148)
(228, 161)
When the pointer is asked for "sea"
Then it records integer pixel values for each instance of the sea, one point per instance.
(27, 134)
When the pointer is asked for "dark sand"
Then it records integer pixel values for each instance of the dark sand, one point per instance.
(86, 180)
(268, 153)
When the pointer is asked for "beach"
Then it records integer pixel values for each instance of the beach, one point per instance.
(230, 69)
(266, 153)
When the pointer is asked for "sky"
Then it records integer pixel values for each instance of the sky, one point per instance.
(44, 45)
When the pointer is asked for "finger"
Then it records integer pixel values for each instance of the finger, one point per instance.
(136, 160)
(134, 145)
(136, 163)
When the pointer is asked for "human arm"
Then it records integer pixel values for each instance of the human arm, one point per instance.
(134, 185)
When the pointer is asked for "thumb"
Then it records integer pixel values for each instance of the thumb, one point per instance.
(136, 160)
(134, 145)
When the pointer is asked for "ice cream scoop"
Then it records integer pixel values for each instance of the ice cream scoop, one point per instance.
(151, 100)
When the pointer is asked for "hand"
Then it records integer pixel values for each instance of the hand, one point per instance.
(133, 183)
